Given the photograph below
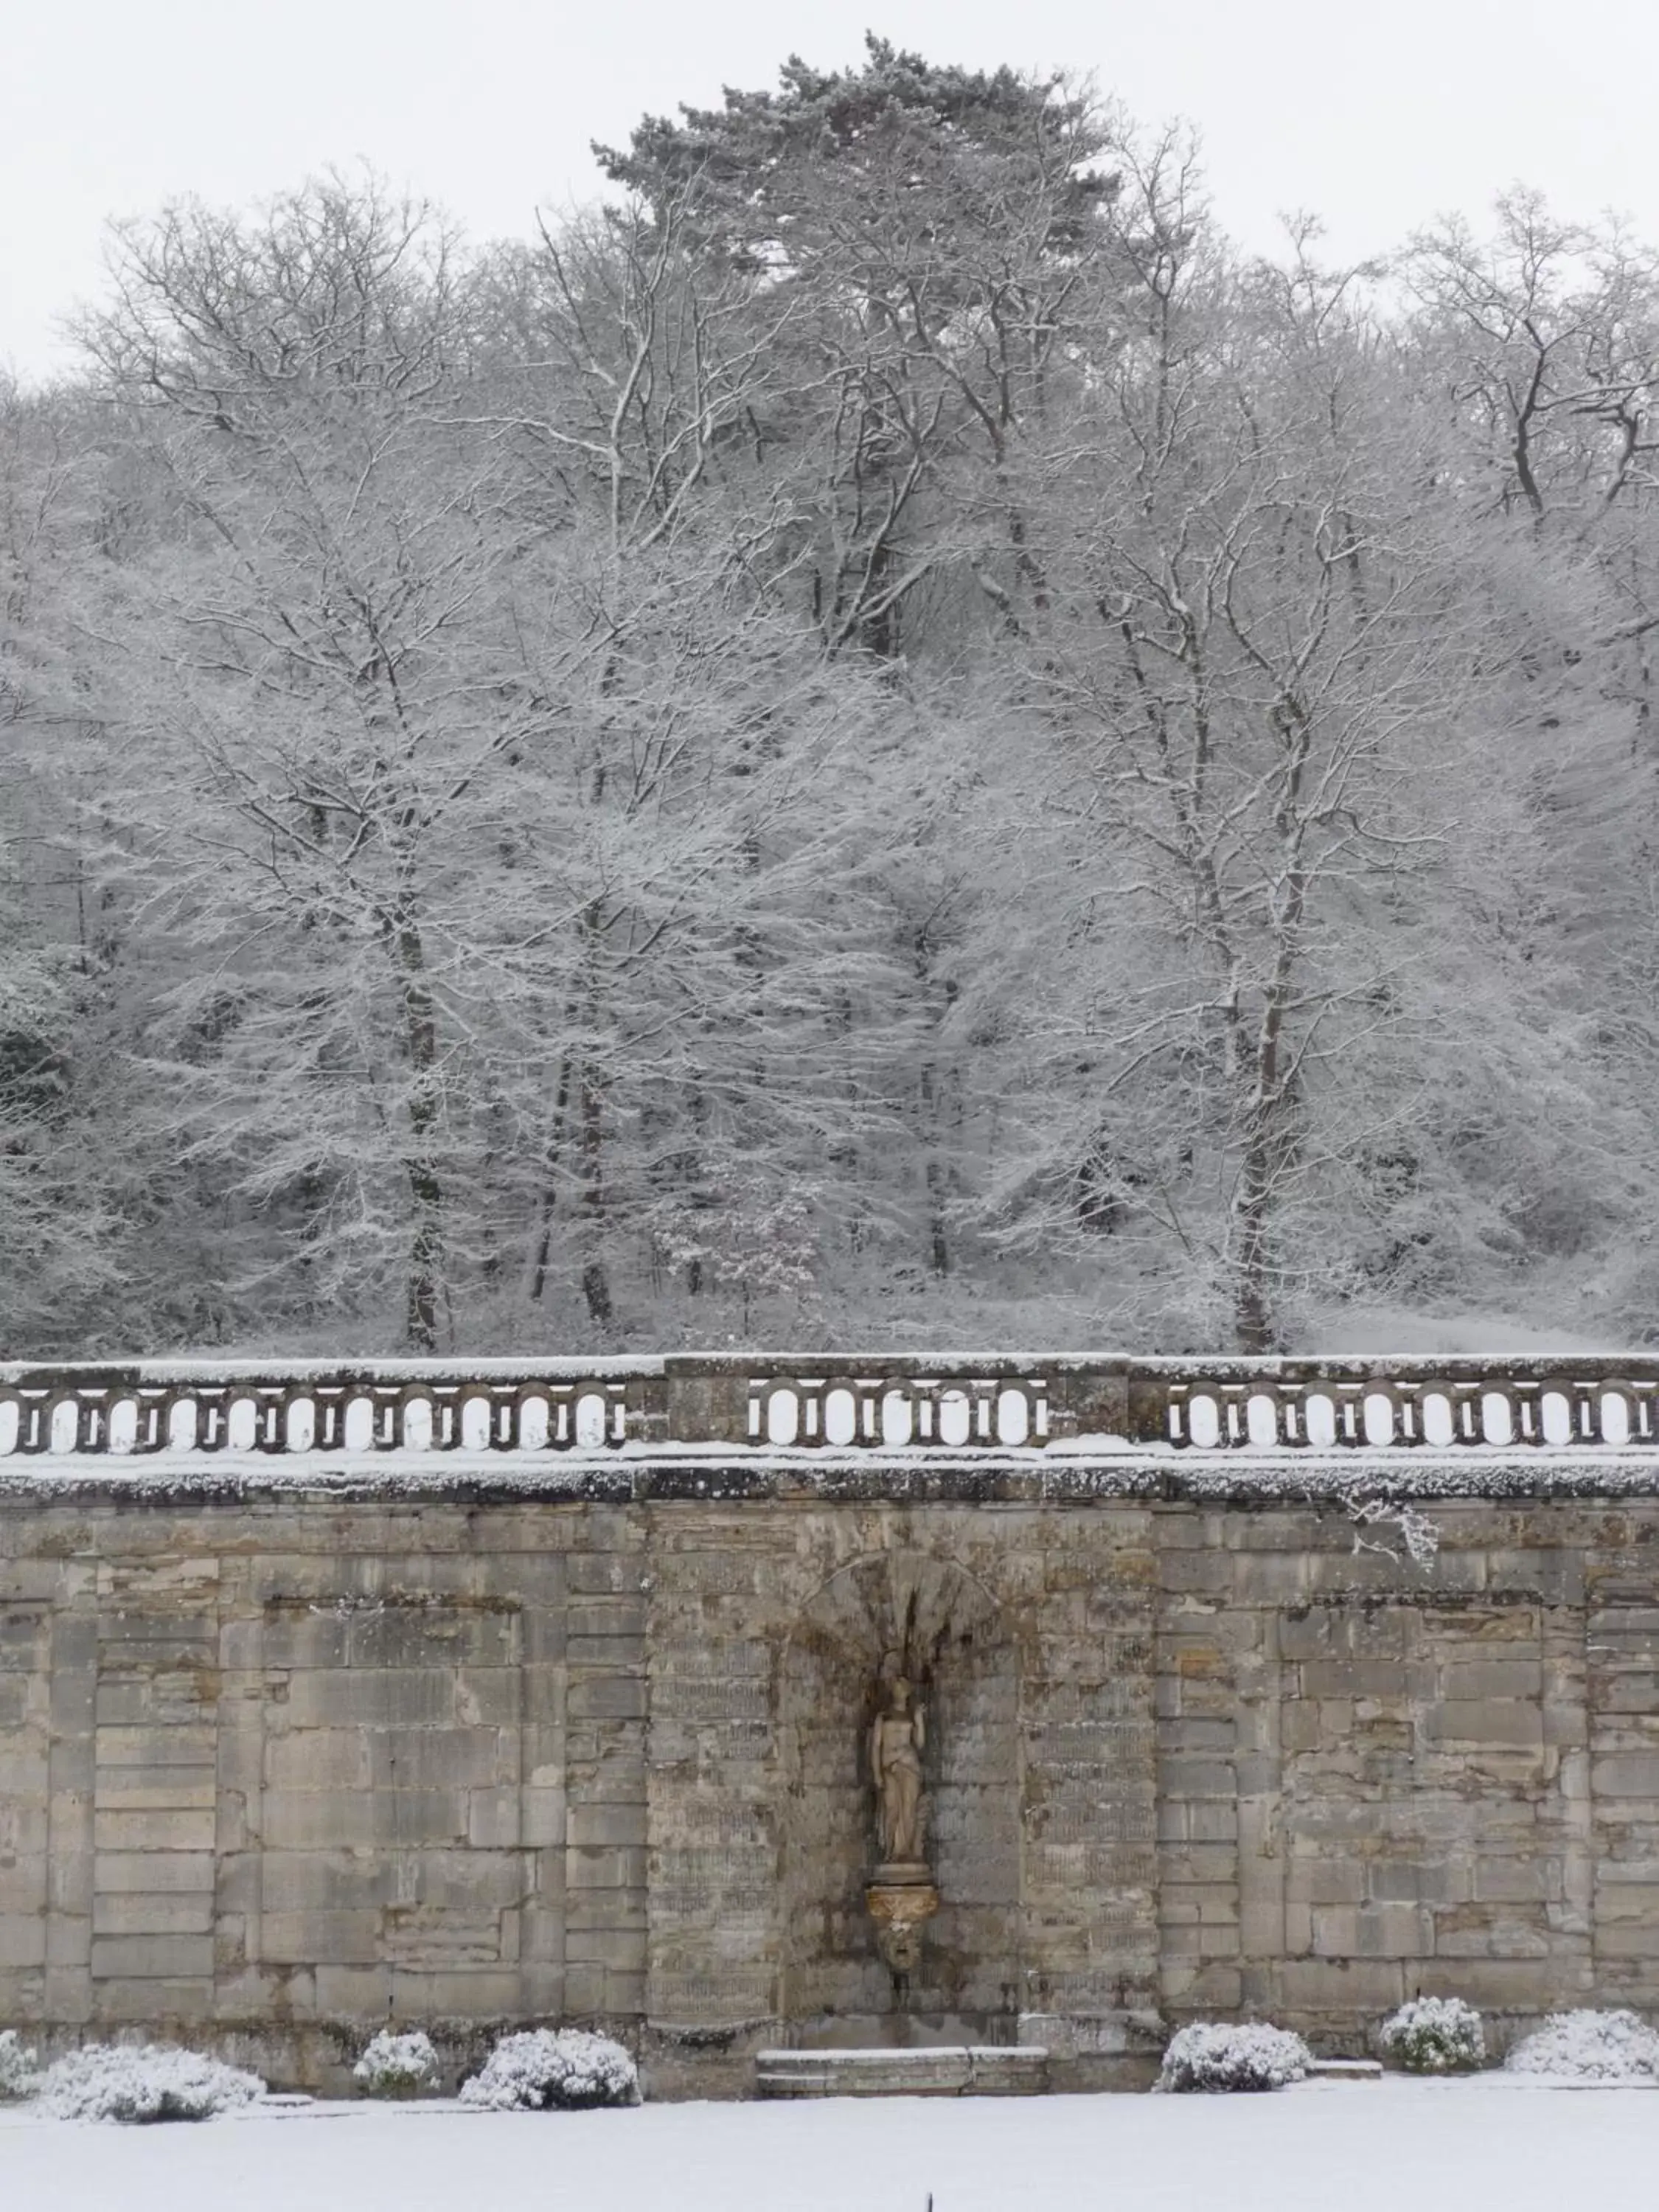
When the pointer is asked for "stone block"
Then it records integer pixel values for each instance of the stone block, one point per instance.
(23, 1882)
(1352, 1678)
(320, 1880)
(1326, 1880)
(321, 1819)
(542, 1815)
(489, 1697)
(361, 1698)
(606, 1697)
(157, 1746)
(1633, 1775)
(1300, 1727)
(1485, 1721)
(1192, 1736)
(70, 1876)
(156, 1788)
(588, 1824)
(453, 1991)
(478, 1758)
(456, 1630)
(138, 1913)
(345, 1991)
(586, 1909)
(1485, 1679)
(495, 1819)
(621, 1950)
(1199, 1988)
(151, 1958)
(1316, 1985)
(541, 1933)
(1197, 1777)
(1520, 1880)
(160, 1873)
(1211, 1823)
(1531, 1985)
(311, 1759)
(143, 2000)
(171, 1830)
(605, 1617)
(340, 1939)
(475, 1882)
(22, 1940)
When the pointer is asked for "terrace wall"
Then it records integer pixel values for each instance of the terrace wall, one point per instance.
(282, 1756)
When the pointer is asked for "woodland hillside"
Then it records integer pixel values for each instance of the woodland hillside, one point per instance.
(884, 741)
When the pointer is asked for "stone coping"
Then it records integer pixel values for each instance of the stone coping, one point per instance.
(1085, 1472)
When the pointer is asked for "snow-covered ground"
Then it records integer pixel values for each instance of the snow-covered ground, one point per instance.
(1509, 2144)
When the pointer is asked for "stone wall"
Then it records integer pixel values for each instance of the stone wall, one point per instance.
(276, 1766)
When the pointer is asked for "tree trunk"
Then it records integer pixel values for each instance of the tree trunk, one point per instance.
(426, 1194)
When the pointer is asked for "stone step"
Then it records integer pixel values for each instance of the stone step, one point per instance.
(942, 2070)
(1345, 2070)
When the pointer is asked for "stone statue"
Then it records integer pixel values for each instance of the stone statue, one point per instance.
(896, 1737)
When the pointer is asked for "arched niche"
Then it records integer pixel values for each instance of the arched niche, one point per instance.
(949, 1633)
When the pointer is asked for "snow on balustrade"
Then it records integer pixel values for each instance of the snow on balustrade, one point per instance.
(838, 1404)
(879, 1409)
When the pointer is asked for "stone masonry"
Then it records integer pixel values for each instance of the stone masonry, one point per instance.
(279, 1764)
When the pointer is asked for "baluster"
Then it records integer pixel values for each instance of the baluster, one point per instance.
(809, 1395)
(1615, 1397)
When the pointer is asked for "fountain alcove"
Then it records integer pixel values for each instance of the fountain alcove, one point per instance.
(846, 1983)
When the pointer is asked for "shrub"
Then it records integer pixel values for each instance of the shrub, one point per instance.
(104, 2082)
(1435, 2035)
(17, 2075)
(544, 2069)
(1592, 2046)
(398, 2065)
(1253, 2056)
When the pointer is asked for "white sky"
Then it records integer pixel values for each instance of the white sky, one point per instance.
(1375, 115)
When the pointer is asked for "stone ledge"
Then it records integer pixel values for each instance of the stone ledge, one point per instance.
(947, 2070)
(1073, 1474)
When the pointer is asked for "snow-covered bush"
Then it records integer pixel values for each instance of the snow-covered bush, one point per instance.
(543, 2069)
(397, 2065)
(17, 2075)
(1435, 2035)
(1253, 2057)
(102, 2081)
(1594, 2046)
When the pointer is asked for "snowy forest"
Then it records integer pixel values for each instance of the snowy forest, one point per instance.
(884, 741)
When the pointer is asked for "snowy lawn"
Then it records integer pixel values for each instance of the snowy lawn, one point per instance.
(1518, 2146)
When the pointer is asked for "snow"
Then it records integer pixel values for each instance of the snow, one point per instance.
(1371, 2146)
(1435, 2035)
(1080, 1469)
(17, 2070)
(540, 2066)
(1591, 2046)
(396, 2065)
(1222, 2056)
(151, 2083)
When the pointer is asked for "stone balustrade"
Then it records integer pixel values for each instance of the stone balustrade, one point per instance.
(828, 1402)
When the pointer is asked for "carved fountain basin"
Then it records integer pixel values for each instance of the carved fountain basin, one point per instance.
(900, 1900)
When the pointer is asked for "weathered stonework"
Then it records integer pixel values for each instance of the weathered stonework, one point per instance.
(291, 1746)
(280, 1768)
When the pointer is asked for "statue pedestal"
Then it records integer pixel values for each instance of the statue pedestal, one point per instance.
(900, 1899)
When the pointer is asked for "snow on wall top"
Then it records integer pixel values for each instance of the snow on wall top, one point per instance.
(303, 1420)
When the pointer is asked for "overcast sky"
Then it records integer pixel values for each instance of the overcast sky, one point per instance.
(1376, 116)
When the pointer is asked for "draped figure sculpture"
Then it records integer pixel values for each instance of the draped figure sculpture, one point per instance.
(896, 1739)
